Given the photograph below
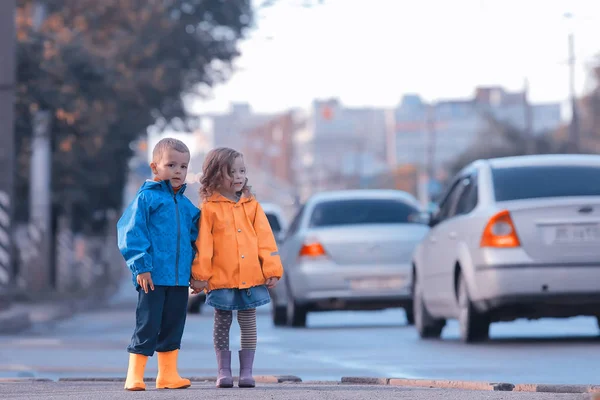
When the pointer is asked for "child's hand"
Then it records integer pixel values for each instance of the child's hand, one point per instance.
(198, 286)
(145, 281)
(271, 282)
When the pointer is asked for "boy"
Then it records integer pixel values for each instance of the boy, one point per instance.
(156, 235)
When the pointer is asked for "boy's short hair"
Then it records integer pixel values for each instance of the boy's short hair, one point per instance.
(168, 143)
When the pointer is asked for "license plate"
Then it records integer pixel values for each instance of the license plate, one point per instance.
(577, 233)
(376, 283)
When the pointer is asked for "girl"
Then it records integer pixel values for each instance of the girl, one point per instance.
(237, 260)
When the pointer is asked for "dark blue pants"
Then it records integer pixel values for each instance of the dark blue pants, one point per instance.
(160, 318)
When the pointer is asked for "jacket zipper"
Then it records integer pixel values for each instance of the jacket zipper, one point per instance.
(178, 240)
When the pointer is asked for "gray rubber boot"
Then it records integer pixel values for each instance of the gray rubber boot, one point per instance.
(246, 360)
(224, 378)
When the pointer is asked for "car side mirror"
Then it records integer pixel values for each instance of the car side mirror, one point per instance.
(422, 217)
(279, 236)
(432, 220)
(433, 210)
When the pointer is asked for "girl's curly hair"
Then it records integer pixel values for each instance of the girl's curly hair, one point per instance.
(218, 160)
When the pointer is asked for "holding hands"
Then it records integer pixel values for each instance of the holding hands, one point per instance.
(198, 286)
(271, 282)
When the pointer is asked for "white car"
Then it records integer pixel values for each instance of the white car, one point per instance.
(515, 237)
(349, 250)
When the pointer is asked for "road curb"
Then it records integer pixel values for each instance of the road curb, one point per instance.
(450, 384)
(20, 380)
(359, 380)
(257, 378)
(472, 385)
(14, 321)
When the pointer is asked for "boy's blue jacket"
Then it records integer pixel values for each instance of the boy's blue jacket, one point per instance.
(157, 232)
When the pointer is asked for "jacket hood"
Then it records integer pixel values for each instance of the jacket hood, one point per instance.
(160, 185)
(218, 197)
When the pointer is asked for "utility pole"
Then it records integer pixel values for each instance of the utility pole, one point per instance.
(574, 136)
(430, 148)
(7, 147)
(39, 273)
(529, 134)
(391, 145)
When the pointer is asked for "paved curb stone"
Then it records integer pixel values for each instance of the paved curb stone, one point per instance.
(473, 385)
(365, 380)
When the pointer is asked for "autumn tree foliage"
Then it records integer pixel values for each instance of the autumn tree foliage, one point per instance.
(106, 70)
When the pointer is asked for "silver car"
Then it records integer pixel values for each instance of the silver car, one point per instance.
(350, 250)
(514, 237)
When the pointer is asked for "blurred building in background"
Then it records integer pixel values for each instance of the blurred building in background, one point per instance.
(348, 144)
(456, 124)
(228, 128)
(274, 155)
(295, 153)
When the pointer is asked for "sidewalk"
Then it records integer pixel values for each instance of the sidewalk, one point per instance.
(22, 315)
(265, 391)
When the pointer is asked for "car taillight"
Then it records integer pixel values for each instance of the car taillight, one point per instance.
(500, 232)
(312, 249)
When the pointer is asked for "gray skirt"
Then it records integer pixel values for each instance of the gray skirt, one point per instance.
(238, 299)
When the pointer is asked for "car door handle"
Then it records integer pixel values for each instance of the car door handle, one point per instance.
(452, 235)
(432, 239)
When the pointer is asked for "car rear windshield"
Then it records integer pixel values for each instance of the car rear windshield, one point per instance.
(533, 182)
(274, 222)
(365, 211)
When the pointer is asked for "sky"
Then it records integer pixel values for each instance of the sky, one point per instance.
(372, 52)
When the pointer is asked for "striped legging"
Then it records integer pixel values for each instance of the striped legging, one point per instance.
(246, 320)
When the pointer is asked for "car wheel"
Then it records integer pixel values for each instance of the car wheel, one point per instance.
(279, 315)
(296, 315)
(474, 326)
(410, 314)
(427, 326)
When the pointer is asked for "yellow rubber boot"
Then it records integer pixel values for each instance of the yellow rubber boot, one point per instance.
(135, 372)
(168, 377)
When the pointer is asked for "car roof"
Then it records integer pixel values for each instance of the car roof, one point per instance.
(363, 194)
(544, 159)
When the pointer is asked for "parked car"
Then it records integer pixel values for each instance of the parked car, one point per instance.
(350, 250)
(515, 237)
(278, 224)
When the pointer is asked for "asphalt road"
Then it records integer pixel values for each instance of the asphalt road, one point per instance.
(336, 344)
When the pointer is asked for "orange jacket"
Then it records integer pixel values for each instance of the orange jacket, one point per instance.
(236, 247)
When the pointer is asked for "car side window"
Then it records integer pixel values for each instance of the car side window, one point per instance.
(295, 225)
(447, 205)
(468, 198)
(274, 222)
